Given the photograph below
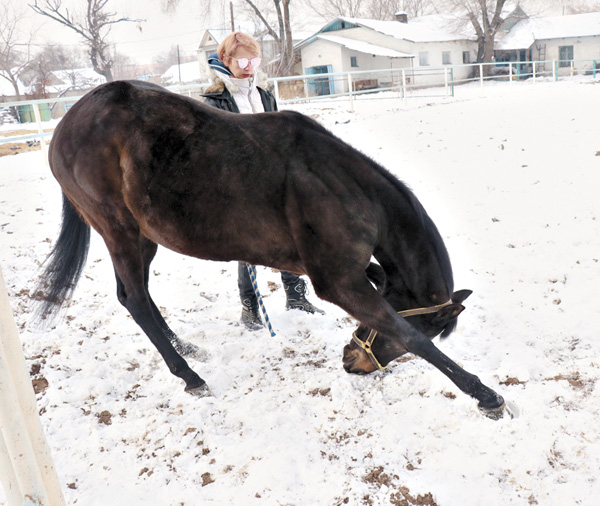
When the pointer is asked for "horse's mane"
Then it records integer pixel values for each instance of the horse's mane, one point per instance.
(428, 225)
(402, 188)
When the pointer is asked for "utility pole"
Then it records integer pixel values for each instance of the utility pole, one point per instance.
(178, 63)
(231, 16)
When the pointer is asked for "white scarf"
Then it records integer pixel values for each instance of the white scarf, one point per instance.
(245, 94)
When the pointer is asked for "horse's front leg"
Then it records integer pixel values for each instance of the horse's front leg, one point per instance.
(490, 403)
(396, 337)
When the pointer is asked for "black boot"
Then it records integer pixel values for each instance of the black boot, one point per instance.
(296, 297)
(250, 315)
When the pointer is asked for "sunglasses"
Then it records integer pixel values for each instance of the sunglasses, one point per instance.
(244, 62)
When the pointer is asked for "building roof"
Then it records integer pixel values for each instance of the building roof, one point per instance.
(82, 78)
(434, 28)
(364, 47)
(6, 87)
(525, 32)
(190, 72)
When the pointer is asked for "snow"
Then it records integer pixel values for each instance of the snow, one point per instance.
(365, 47)
(432, 28)
(511, 179)
(189, 72)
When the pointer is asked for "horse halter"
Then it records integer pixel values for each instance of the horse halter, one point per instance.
(368, 342)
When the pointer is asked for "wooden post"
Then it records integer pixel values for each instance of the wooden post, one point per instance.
(27, 471)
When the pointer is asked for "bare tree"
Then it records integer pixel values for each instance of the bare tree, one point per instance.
(50, 58)
(582, 7)
(274, 15)
(485, 16)
(373, 9)
(331, 9)
(15, 44)
(94, 27)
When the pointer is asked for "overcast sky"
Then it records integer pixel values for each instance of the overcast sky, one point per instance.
(160, 31)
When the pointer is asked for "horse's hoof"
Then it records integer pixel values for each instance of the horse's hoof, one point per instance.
(200, 391)
(189, 350)
(497, 412)
(493, 413)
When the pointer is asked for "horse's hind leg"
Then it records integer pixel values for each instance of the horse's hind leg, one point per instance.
(148, 250)
(127, 253)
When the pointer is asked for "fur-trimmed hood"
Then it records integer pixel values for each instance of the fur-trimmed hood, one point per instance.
(220, 82)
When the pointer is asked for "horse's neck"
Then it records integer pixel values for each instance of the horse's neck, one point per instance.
(412, 250)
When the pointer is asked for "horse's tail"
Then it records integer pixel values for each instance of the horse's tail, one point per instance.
(64, 263)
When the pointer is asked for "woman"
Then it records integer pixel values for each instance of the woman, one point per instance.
(233, 69)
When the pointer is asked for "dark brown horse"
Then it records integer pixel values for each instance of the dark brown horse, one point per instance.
(144, 166)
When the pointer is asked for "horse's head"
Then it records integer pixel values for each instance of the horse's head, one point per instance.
(369, 351)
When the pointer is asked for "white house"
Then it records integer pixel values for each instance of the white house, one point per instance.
(366, 44)
(555, 38)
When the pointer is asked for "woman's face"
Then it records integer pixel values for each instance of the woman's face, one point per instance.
(232, 62)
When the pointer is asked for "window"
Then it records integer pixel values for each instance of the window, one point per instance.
(446, 59)
(466, 57)
(565, 55)
(424, 58)
(353, 61)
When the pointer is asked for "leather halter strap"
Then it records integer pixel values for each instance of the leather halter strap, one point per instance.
(368, 342)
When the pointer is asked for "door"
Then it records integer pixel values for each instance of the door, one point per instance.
(321, 85)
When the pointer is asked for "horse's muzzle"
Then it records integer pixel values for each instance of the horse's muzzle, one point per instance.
(356, 361)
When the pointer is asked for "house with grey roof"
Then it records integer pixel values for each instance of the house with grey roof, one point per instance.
(571, 41)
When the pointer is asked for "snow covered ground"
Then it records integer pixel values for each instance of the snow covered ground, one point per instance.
(511, 179)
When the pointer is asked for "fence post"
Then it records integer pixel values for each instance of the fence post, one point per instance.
(555, 70)
(350, 92)
(276, 90)
(446, 81)
(510, 73)
(404, 87)
(572, 67)
(27, 470)
(481, 76)
(38, 120)
(534, 72)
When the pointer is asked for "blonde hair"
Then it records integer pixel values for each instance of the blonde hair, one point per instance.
(233, 41)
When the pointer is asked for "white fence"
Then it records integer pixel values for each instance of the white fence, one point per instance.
(414, 82)
(408, 83)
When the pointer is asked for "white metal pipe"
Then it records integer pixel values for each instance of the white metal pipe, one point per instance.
(7, 473)
(446, 81)
(38, 120)
(24, 440)
(350, 92)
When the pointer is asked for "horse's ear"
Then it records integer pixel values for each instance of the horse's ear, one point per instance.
(460, 296)
(447, 317)
(376, 275)
(449, 312)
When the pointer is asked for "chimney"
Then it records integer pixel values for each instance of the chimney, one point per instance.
(401, 16)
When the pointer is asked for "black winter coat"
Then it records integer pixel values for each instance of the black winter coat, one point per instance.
(221, 98)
